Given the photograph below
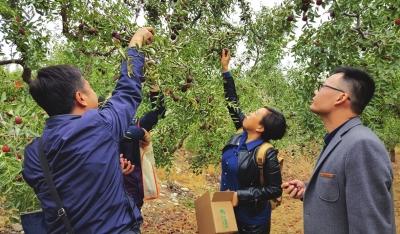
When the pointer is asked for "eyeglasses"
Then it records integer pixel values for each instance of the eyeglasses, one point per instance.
(330, 87)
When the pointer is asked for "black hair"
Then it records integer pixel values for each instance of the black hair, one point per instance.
(55, 87)
(362, 87)
(274, 124)
(101, 99)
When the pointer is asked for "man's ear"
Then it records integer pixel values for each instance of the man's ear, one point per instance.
(342, 98)
(80, 99)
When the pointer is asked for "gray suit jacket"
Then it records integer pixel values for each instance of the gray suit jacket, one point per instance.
(350, 188)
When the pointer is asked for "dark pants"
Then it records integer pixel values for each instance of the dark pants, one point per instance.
(255, 229)
(134, 186)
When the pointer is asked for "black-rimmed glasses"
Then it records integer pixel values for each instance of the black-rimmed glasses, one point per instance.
(330, 87)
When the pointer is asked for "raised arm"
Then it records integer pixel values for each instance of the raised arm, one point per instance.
(129, 145)
(126, 97)
(230, 91)
(150, 119)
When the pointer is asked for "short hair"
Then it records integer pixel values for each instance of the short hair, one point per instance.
(54, 88)
(362, 87)
(274, 124)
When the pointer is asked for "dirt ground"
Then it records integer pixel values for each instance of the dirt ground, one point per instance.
(173, 212)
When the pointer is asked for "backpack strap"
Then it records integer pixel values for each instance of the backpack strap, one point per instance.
(260, 159)
(61, 213)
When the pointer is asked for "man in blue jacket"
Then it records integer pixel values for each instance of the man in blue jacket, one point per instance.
(81, 145)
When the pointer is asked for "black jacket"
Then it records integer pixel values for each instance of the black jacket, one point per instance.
(250, 191)
(129, 145)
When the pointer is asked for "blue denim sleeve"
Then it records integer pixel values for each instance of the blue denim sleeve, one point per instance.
(126, 97)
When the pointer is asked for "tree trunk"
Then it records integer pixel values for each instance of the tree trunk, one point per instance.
(392, 154)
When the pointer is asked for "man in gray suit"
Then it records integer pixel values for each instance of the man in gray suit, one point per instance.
(350, 188)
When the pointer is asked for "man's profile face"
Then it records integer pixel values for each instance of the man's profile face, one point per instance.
(326, 96)
(90, 95)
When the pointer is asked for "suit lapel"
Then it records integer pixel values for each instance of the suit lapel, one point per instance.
(334, 142)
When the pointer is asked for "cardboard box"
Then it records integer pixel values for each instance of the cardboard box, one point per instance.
(214, 213)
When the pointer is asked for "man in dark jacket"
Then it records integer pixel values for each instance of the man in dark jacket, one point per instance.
(240, 172)
(137, 133)
(81, 145)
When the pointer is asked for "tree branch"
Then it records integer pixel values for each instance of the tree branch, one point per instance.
(358, 23)
(351, 15)
(11, 61)
(64, 18)
(97, 53)
(27, 75)
(259, 40)
(26, 72)
(198, 16)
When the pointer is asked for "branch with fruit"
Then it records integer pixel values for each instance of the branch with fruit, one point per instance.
(357, 28)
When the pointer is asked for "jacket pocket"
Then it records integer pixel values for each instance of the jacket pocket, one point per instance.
(328, 188)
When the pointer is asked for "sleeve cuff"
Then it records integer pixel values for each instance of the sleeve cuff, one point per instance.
(227, 75)
(134, 133)
(132, 51)
(242, 195)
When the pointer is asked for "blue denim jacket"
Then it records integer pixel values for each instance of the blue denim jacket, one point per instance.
(83, 154)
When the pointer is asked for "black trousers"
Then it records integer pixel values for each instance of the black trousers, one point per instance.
(255, 229)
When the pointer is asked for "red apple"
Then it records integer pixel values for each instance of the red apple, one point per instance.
(18, 120)
(116, 35)
(21, 31)
(92, 31)
(175, 98)
(5, 148)
(81, 26)
(397, 21)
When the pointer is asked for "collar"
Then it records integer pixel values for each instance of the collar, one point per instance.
(56, 120)
(250, 145)
(329, 136)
